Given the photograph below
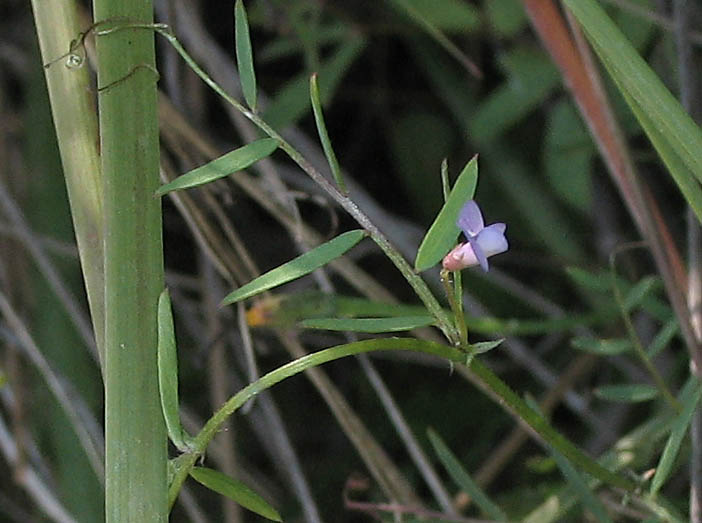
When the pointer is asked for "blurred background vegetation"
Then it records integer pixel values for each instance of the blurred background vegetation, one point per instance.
(403, 88)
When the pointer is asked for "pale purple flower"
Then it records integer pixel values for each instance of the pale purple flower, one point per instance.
(482, 243)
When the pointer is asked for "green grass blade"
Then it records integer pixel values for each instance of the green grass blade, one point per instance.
(225, 165)
(628, 393)
(244, 55)
(671, 130)
(461, 477)
(680, 426)
(168, 372)
(235, 490)
(442, 234)
(371, 325)
(298, 267)
(324, 135)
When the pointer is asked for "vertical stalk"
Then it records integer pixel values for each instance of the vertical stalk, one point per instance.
(135, 436)
(73, 111)
(683, 16)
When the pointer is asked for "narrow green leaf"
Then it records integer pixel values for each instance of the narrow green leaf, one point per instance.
(576, 479)
(368, 324)
(168, 373)
(324, 135)
(461, 477)
(244, 55)
(663, 338)
(484, 346)
(603, 347)
(225, 165)
(629, 393)
(680, 426)
(235, 490)
(640, 290)
(298, 267)
(442, 234)
(671, 130)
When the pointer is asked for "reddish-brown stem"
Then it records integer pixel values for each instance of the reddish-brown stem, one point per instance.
(572, 57)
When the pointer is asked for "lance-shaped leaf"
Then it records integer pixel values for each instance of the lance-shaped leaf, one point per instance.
(482, 347)
(244, 55)
(225, 165)
(628, 393)
(691, 396)
(372, 325)
(298, 267)
(603, 347)
(443, 232)
(235, 490)
(168, 373)
(324, 134)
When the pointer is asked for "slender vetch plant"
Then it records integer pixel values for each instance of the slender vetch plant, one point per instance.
(116, 180)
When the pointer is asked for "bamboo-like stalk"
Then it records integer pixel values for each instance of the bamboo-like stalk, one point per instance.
(73, 111)
(135, 435)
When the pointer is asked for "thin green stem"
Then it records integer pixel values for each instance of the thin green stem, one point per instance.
(635, 340)
(460, 316)
(456, 304)
(508, 399)
(415, 281)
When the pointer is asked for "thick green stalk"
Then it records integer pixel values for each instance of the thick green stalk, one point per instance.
(135, 435)
(73, 110)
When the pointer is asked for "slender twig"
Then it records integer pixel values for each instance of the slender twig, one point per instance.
(68, 401)
(631, 331)
(219, 383)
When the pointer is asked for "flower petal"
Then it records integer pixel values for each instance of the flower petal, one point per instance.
(491, 240)
(470, 219)
(478, 250)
